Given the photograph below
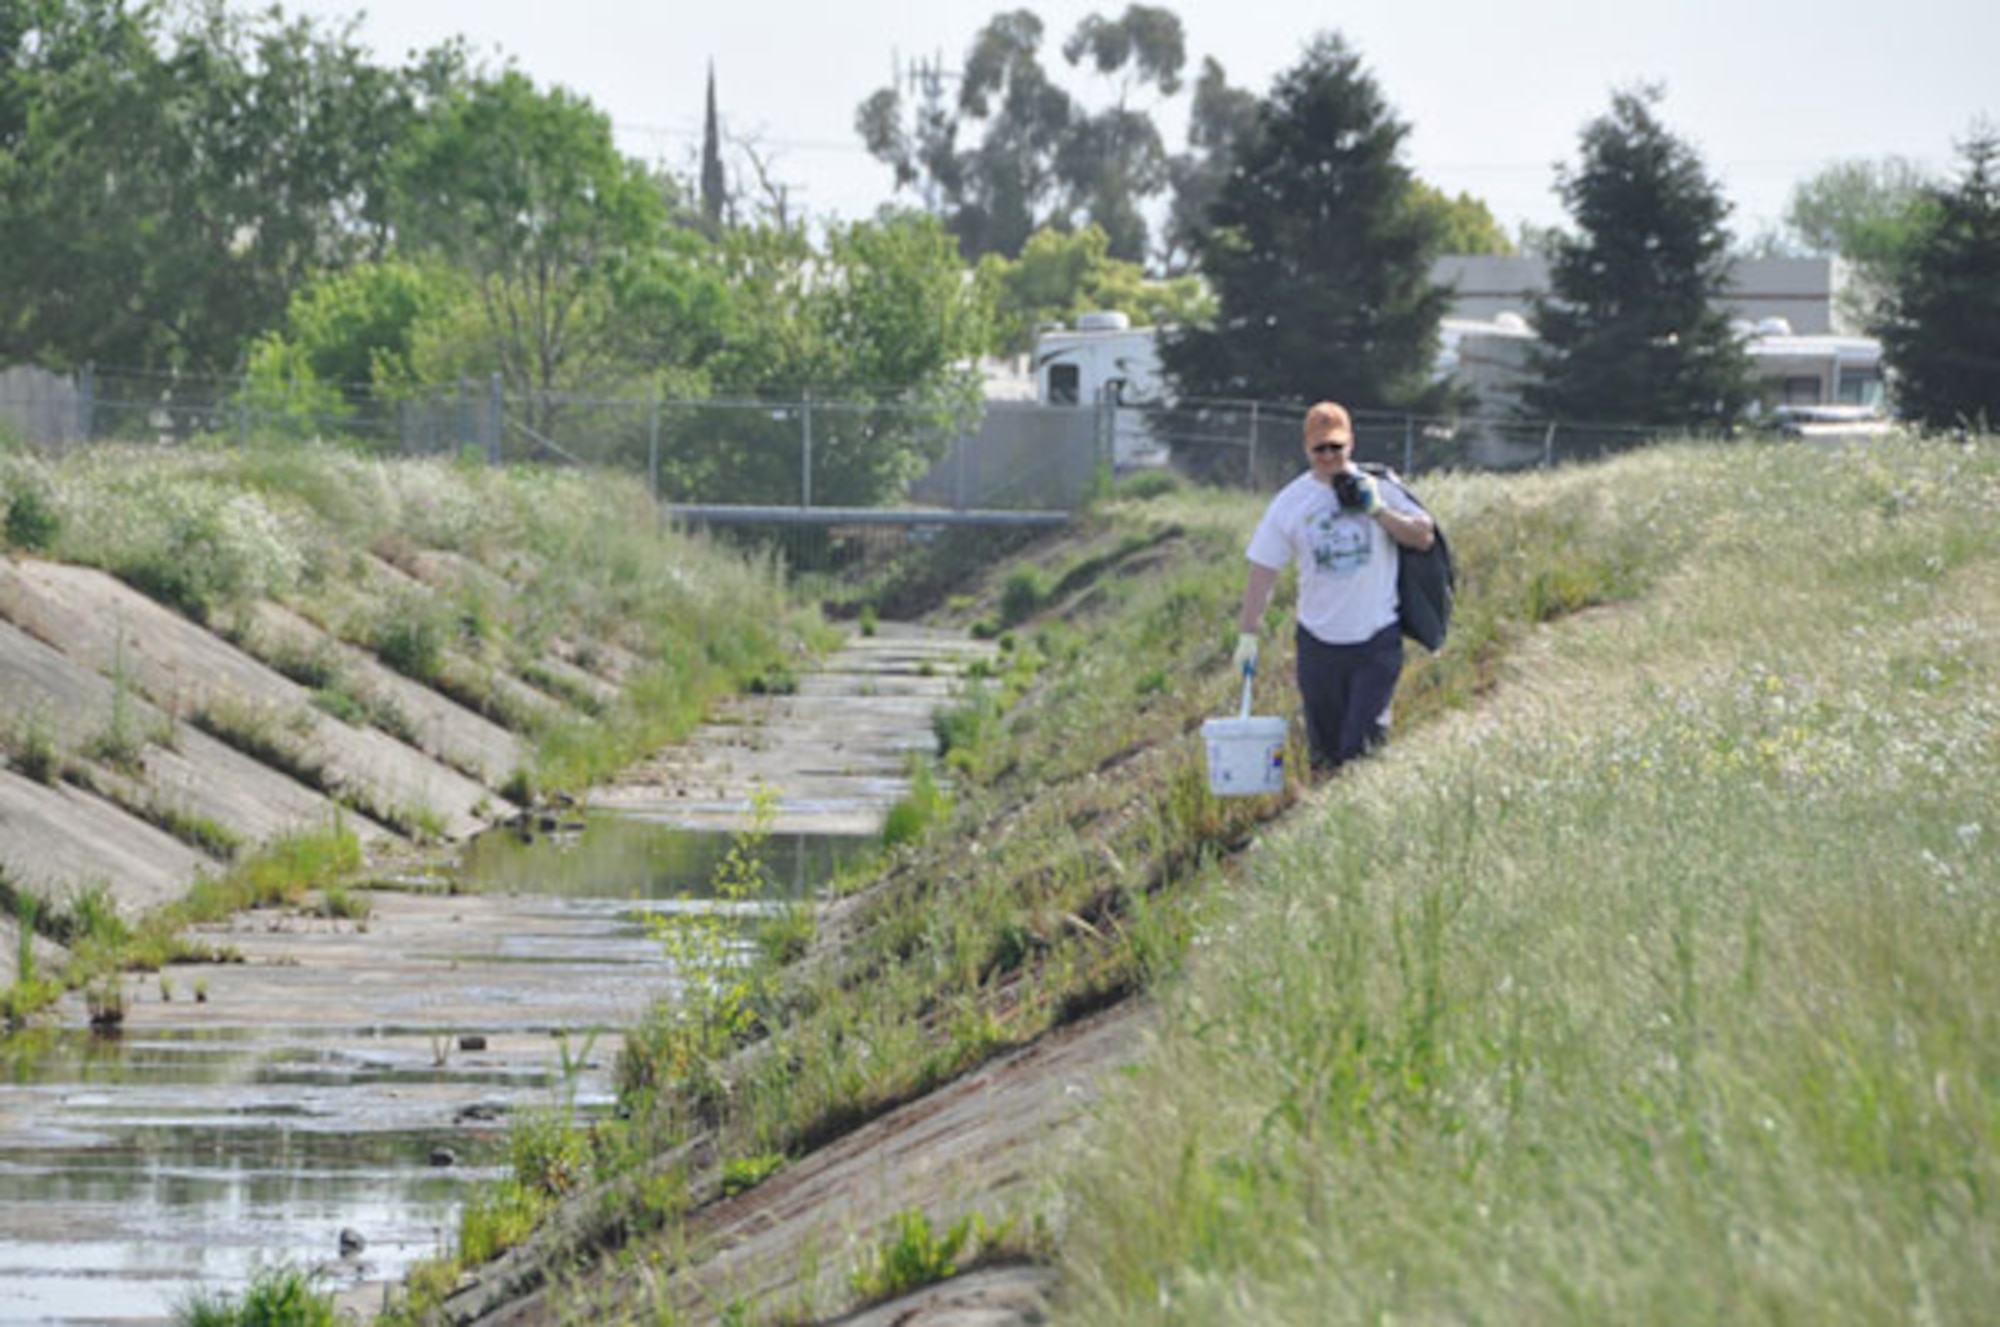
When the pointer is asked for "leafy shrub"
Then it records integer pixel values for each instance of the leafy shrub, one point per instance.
(33, 751)
(497, 1217)
(965, 726)
(917, 810)
(1148, 484)
(743, 1173)
(32, 524)
(1025, 590)
(548, 1153)
(410, 641)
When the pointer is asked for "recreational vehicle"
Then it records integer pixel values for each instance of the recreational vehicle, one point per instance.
(1106, 364)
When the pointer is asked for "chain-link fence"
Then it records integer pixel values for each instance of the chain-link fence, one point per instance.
(1257, 445)
(997, 455)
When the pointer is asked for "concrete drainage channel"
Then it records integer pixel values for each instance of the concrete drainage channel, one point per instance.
(326, 1102)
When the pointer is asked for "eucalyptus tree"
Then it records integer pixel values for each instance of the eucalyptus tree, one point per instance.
(1219, 117)
(1000, 151)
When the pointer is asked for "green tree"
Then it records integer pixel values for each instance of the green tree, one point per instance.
(1632, 331)
(350, 342)
(163, 190)
(1040, 158)
(525, 192)
(1940, 327)
(877, 327)
(1317, 254)
(357, 328)
(1115, 159)
(1865, 211)
(1061, 274)
(1868, 213)
(1464, 223)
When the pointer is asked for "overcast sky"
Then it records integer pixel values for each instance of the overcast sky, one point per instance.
(1495, 93)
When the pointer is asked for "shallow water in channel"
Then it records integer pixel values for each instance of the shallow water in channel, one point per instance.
(360, 1076)
(320, 1084)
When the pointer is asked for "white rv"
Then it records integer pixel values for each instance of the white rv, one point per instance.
(1106, 363)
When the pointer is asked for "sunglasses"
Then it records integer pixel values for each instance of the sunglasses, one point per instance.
(1327, 448)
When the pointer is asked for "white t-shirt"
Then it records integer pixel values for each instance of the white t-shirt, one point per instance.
(1346, 561)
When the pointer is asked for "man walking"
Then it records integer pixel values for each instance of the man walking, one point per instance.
(1344, 531)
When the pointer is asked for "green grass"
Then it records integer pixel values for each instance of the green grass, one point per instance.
(285, 1297)
(918, 1254)
(1646, 976)
(457, 576)
(1658, 989)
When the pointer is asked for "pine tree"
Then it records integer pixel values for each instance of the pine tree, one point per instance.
(1633, 331)
(1319, 259)
(1941, 332)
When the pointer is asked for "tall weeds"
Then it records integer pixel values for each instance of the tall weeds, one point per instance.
(1660, 986)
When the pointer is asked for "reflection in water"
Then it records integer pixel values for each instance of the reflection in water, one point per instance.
(615, 856)
(137, 1171)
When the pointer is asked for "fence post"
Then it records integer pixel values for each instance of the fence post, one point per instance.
(1409, 444)
(961, 447)
(653, 444)
(86, 404)
(1549, 446)
(806, 468)
(1250, 474)
(496, 402)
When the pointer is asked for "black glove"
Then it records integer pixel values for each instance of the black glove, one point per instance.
(1347, 489)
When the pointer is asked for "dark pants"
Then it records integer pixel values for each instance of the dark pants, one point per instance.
(1346, 690)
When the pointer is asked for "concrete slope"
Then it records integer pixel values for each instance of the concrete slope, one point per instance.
(819, 752)
(56, 841)
(99, 622)
(181, 769)
(440, 727)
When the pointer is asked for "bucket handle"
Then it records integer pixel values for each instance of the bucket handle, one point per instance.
(1249, 675)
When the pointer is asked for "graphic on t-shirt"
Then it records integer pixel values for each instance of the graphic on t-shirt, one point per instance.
(1340, 546)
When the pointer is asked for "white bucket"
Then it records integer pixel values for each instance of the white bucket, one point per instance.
(1246, 755)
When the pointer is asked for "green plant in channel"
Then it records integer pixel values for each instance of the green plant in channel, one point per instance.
(284, 1297)
(682, 1043)
(925, 804)
(918, 1254)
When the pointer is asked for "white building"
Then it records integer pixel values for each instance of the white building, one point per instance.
(1787, 310)
(1804, 292)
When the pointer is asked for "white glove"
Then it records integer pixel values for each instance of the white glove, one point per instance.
(1245, 658)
